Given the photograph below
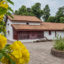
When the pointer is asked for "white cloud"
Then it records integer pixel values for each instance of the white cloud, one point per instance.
(53, 4)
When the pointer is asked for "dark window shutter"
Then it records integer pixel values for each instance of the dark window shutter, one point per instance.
(49, 32)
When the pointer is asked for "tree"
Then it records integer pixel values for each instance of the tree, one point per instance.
(51, 19)
(36, 10)
(46, 13)
(29, 10)
(62, 19)
(21, 11)
(60, 13)
(24, 11)
(16, 12)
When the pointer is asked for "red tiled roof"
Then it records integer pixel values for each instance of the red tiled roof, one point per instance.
(53, 26)
(27, 27)
(24, 18)
(43, 26)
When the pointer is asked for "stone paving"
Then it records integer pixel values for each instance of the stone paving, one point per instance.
(40, 53)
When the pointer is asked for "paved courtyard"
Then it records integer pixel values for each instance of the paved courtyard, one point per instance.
(40, 53)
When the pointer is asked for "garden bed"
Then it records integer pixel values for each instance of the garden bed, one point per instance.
(57, 53)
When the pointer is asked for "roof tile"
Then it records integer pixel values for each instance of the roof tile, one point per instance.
(43, 26)
(24, 18)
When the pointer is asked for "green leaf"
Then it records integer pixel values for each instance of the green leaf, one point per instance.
(1, 55)
(9, 14)
(7, 56)
(9, 8)
(10, 2)
(2, 10)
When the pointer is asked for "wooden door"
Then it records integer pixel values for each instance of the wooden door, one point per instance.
(15, 35)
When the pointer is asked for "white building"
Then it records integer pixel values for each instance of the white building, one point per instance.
(30, 28)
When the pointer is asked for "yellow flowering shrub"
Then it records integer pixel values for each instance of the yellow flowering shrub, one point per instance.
(3, 8)
(3, 11)
(16, 51)
(5, 60)
(20, 52)
(3, 41)
(1, 17)
(4, 4)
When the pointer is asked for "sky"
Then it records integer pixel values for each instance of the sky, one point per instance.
(53, 4)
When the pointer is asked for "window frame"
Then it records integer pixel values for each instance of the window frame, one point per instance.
(49, 32)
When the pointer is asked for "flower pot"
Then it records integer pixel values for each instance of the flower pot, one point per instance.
(57, 53)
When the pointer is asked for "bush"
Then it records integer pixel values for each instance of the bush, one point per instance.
(59, 44)
(15, 53)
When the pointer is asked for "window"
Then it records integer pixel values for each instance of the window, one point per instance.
(8, 24)
(49, 32)
(8, 32)
(27, 23)
(55, 33)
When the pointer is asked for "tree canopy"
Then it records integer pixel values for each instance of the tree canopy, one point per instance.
(51, 19)
(59, 17)
(46, 13)
(59, 14)
(35, 10)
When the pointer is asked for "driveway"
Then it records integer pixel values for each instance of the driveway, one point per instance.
(40, 53)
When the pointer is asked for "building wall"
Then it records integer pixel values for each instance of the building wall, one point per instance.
(34, 23)
(53, 36)
(10, 29)
(60, 33)
(19, 23)
(50, 37)
(30, 23)
(46, 33)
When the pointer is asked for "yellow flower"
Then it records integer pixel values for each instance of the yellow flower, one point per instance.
(1, 17)
(3, 41)
(4, 4)
(20, 52)
(26, 55)
(21, 45)
(17, 54)
(21, 61)
(15, 46)
(4, 60)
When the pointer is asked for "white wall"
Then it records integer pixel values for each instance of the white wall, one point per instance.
(18, 22)
(52, 36)
(10, 29)
(34, 23)
(60, 33)
(30, 23)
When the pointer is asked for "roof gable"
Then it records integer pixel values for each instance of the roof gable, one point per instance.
(24, 18)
